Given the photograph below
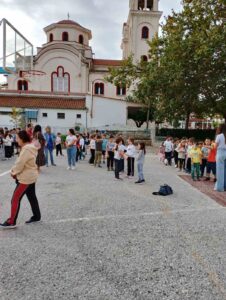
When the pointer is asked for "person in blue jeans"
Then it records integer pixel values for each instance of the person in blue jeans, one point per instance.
(221, 159)
(71, 141)
(140, 162)
(49, 146)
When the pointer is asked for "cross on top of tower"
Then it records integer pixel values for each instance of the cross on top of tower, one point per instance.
(68, 16)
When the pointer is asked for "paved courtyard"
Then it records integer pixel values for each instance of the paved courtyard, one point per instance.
(108, 240)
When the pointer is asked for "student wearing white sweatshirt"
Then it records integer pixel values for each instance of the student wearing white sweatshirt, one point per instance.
(131, 154)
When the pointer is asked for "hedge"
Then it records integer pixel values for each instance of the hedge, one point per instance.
(198, 134)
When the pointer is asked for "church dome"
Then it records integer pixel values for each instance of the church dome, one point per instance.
(68, 22)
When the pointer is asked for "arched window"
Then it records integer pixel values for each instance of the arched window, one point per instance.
(60, 81)
(145, 32)
(141, 4)
(120, 91)
(144, 58)
(22, 85)
(81, 39)
(51, 37)
(99, 88)
(65, 36)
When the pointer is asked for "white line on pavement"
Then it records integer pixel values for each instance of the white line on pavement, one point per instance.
(156, 213)
(5, 173)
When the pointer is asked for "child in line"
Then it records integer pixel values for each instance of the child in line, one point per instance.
(140, 162)
(104, 147)
(205, 152)
(161, 153)
(98, 151)
(110, 153)
(58, 144)
(196, 158)
(189, 146)
(175, 153)
(122, 160)
(181, 149)
(130, 153)
(118, 155)
(211, 162)
(92, 146)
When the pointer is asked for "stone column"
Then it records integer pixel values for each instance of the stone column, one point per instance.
(156, 5)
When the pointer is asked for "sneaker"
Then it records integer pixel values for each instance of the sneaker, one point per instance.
(99, 166)
(6, 225)
(73, 168)
(32, 220)
(207, 179)
(69, 168)
(142, 180)
(138, 181)
(54, 165)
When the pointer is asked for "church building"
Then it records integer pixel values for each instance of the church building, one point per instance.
(67, 85)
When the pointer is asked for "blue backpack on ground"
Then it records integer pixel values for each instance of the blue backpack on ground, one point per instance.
(165, 190)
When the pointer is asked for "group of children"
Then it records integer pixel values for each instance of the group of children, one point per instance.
(8, 143)
(115, 152)
(195, 158)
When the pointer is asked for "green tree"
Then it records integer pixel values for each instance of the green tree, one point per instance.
(17, 118)
(186, 72)
(193, 60)
(141, 79)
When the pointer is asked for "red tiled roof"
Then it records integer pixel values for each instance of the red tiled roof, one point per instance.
(39, 102)
(107, 62)
(66, 22)
(52, 94)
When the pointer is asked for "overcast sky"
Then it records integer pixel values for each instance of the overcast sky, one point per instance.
(103, 17)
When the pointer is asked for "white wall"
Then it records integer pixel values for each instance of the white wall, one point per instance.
(109, 89)
(70, 120)
(5, 119)
(106, 111)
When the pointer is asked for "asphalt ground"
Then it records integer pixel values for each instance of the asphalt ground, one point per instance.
(112, 240)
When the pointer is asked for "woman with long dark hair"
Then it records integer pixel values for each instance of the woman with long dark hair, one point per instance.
(221, 159)
(25, 173)
(39, 140)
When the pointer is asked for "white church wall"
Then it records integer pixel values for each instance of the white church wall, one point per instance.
(50, 118)
(105, 111)
(109, 89)
(72, 118)
(49, 63)
(73, 35)
(5, 119)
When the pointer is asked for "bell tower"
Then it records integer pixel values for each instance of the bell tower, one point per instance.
(141, 26)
